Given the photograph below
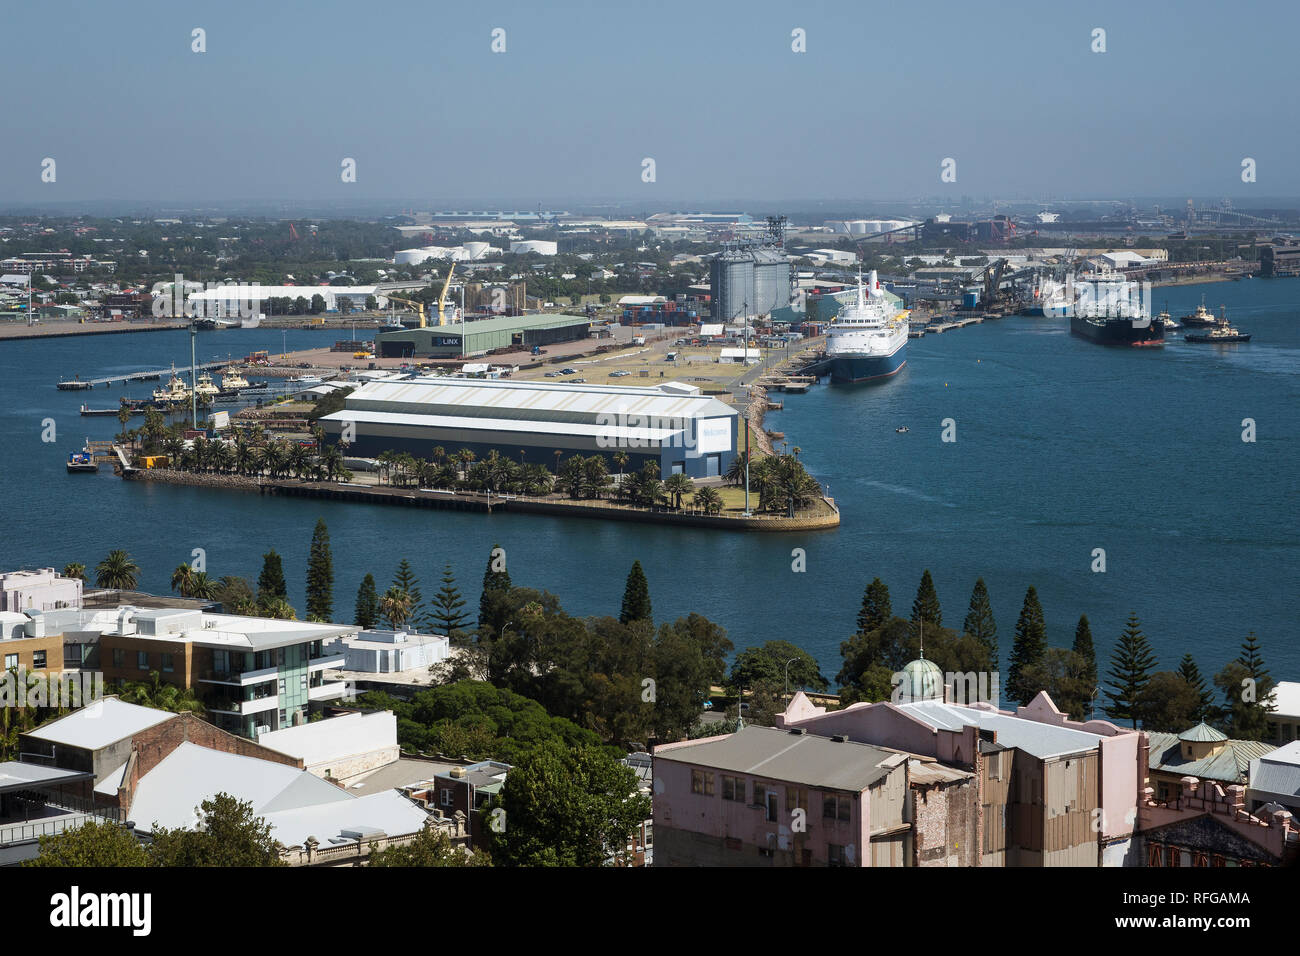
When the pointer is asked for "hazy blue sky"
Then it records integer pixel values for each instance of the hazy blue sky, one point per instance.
(711, 91)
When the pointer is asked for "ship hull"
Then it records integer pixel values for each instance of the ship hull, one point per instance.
(852, 368)
(1119, 332)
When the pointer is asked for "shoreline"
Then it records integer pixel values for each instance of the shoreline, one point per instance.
(490, 504)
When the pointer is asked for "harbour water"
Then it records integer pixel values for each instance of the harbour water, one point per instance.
(1062, 447)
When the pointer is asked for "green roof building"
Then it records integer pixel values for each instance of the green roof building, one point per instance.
(482, 335)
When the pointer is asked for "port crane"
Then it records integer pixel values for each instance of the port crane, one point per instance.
(442, 299)
(419, 305)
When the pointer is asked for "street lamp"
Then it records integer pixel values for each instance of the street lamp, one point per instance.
(787, 673)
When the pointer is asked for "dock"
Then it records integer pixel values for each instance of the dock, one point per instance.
(76, 383)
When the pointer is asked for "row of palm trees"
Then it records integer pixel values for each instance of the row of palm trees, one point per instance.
(780, 481)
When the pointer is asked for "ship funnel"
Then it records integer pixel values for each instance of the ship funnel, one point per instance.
(874, 284)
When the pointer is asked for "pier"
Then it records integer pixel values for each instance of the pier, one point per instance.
(77, 383)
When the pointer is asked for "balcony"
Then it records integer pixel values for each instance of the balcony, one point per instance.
(330, 690)
(244, 708)
(325, 662)
(235, 678)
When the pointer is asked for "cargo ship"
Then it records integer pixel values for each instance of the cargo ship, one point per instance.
(1112, 316)
(867, 340)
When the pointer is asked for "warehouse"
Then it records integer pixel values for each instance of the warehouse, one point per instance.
(531, 421)
(482, 335)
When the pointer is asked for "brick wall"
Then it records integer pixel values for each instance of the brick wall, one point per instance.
(151, 747)
(946, 823)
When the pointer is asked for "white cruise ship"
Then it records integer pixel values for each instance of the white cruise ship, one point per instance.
(868, 339)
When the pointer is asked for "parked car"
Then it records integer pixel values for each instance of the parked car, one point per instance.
(620, 373)
(568, 371)
(552, 375)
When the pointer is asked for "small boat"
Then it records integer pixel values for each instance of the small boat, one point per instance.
(83, 460)
(89, 412)
(1168, 321)
(305, 381)
(233, 382)
(204, 389)
(902, 429)
(176, 390)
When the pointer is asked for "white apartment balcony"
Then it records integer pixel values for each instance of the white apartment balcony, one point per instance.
(330, 690)
(245, 708)
(325, 662)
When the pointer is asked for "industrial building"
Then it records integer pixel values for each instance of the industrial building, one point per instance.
(482, 335)
(749, 279)
(533, 421)
(1280, 258)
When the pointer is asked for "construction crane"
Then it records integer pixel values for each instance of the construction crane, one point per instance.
(442, 299)
(419, 306)
(293, 233)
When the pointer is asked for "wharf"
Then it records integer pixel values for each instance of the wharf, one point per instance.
(76, 383)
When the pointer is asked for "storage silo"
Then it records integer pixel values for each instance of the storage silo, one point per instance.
(771, 280)
(731, 277)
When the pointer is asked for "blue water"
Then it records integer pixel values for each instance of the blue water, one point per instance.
(1062, 447)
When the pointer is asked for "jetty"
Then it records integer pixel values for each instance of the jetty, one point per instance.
(77, 383)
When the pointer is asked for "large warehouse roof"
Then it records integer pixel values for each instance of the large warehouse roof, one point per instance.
(532, 401)
(505, 323)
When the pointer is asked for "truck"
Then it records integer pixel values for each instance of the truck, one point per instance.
(638, 340)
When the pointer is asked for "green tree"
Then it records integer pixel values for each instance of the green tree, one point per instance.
(367, 607)
(320, 575)
(767, 666)
(228, 834)
(74, 570)
(1027, 649)
(1064, 675)
(1131, 666)
(1083, 646)
(93, 844)
(431, 847)
(1168, 703)
(1247, 689)
(979, 622)
(926, 605)
(496, 582)
(565, 807)
(1204, 698)
(117, 572)
(270, 583)
(395, 607)
(876, 609)
(404, 580)
(447, 615)
(182, 578)
(636, 597)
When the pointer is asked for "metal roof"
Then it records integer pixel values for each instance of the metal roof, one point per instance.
(99, 724)
(25, 776)
(1036, 739)
(648, 435)
(797, 758)
(561, 401)
(1230, 764)
(1203, 733)
(505, 323)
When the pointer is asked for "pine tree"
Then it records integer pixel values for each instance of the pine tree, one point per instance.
(1084, 647)
(1027, 649)
(270, 583)
(636, 597)
(1247, 689)
(320, 575)
(979, 622)
(1192, 674)
(406, 582)
(1131, 666)
(926, 606)
(367, 611)
(876, 609)
(496, 579)
(447, 615)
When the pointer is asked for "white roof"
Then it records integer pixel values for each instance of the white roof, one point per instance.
(240, 292)
(1286, 698)
(521, 426)
(1034, 738)
(336, 738)
(99, 724)
(295, 803)
(711, 328)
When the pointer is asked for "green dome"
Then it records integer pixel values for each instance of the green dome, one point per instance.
(922, 680)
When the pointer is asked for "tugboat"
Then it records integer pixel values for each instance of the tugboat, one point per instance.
(902, 429)
(1202, 318)
(1222, 334)
(176, 390)
(204, 390)
(1168, 321)
(233, 382)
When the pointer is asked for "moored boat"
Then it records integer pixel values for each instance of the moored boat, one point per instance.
(867, 340)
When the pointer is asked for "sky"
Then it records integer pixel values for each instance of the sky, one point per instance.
(712, 91)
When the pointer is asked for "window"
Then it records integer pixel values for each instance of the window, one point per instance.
(119, 657)
(38, 660)
(11, 662)
(795, 799)
(759, 796)
(834, 854)
(702, 783)
(168, 663)
(835, 807)
(994, 762)
(771, 806)
(446, 797)
(733, 788)
(142, 660)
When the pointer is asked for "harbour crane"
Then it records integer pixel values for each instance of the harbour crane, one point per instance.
(419, 306)
(442, 299)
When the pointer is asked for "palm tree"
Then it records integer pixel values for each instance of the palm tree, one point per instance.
(395, 606)
(117, 572)
(74, 569)
(708, 500)
(677, 485)
(123, 416)
(620, 459)
(736, 470)
(203, 587)
(160, 696)
(182, 578)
